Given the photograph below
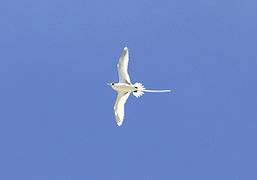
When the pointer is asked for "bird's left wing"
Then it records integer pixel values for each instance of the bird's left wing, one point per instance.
(123, 67)
(119, 106)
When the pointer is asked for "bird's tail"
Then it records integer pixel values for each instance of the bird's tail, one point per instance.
(140, 90)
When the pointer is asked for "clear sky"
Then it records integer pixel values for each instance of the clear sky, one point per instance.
(56, 110)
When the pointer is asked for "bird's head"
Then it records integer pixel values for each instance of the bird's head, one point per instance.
(111, 84)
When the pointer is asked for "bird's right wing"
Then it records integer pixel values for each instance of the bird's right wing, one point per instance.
(119, 106)
(123, 67)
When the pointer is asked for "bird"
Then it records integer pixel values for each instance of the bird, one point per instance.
(125, 87)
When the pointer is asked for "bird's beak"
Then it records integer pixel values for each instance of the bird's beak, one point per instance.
(109, 84)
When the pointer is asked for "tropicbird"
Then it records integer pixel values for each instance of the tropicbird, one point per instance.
(124, 87)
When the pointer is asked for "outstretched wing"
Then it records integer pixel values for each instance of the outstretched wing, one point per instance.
(123, 67)
(119, 106)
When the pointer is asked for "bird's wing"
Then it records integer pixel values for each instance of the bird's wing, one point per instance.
(119, 106)
(123, 67)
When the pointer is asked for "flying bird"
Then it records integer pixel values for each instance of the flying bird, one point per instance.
(125, 87)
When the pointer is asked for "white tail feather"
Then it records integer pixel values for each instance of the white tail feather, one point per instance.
(146, 90)
(140, 90)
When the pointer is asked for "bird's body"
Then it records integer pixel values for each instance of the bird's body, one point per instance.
(124, 87)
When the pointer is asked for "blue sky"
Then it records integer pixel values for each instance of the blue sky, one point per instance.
(57, 119)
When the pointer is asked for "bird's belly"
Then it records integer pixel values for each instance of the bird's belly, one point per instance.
(125, 88)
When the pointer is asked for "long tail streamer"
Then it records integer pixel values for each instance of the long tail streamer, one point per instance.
(140, 90)
(146, 90)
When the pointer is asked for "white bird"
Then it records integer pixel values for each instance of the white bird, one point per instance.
(124, 87)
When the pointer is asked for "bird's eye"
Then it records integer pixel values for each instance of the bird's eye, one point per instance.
(112, 83)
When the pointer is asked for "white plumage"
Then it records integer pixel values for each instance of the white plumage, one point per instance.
(119, 106)
(124, 87)
(123, 67)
